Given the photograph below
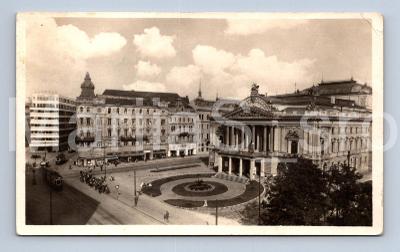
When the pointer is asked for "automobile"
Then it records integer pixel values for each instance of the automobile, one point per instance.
(60, 159)
(44, 163)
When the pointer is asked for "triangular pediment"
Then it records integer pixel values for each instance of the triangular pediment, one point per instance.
(249, 113)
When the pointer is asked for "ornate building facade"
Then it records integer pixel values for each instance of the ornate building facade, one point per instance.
(264, 131)
(133, 125)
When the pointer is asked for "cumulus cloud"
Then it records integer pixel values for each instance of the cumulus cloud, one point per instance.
(257, 26)
(56, 56)
(212, 60)
(142, 85)
(183, 78)
(154, 45)
(229, 73)
(78, 42)
(146, 69)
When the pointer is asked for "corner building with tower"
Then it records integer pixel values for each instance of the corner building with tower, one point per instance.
(133, 125)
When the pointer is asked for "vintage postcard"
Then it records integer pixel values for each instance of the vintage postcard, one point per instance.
(199, 124)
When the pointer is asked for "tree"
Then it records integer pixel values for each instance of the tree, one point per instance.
(349, 201)
(297, 195)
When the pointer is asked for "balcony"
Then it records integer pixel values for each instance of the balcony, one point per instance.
(127, 139)
(85, 139)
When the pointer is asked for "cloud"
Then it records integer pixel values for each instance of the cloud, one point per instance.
(78, 42)
(154, 45)
(146, 69)
(56, 56)
(276, 74)
(212, 60)
(141, 85)
(232, 74)
(183, 78)
(257, 26)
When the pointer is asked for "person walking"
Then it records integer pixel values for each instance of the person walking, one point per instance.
(166, 216)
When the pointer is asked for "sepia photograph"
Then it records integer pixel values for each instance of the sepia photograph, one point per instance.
(199, 123)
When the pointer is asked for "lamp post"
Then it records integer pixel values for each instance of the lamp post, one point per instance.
(259, 199)
(216, 212)
(51, 206)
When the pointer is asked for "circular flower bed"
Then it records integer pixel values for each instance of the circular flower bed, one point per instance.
(215, 188)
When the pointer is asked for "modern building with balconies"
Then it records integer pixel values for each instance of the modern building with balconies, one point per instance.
(51, 121)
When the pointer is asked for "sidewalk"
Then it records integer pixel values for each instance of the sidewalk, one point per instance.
(152, 207)
(123, 167)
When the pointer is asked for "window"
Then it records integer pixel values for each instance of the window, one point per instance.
(117, 110)
(133, 121)
(109, 121)
(109, 132)
(88, 121)
(109, 110)
(98, 110)
(126, 121)
(81, 109)
(88, 109)
(81, 121)
(125, 110)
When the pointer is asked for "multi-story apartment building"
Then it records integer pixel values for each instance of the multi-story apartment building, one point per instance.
(51, 119)
(264, 131)
(133, 125)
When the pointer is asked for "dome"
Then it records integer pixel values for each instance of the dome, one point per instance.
(87, 83)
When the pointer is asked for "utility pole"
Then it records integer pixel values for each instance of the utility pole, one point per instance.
(259, 198)
(134, 182)
(216, 212)
(136, 197)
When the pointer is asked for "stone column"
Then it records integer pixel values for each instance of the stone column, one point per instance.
(258, 142)
(276, 138)
(252, 168)
(230, 166)
(253, 140)
(265, 139)
(237, 141)
(242, 137)
(273, 139)
(262, 169)
(240, 167)
(226, 139)
(232, 138)
(219, 163)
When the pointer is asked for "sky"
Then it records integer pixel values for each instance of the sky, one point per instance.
(175, 55)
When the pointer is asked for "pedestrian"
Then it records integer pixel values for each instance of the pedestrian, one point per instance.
(166, 216)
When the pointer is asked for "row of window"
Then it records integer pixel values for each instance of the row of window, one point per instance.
(121, 111)
(351, 130)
